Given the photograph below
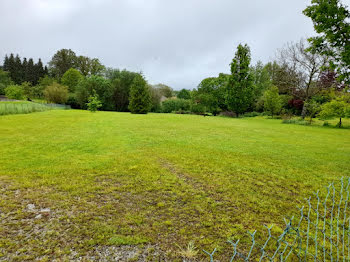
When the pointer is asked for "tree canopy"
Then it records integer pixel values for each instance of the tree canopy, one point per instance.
(140, 98)
(332, 24)
(239, 92)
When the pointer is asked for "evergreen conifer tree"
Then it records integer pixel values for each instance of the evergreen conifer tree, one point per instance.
(140, 97)
(239, 91)
(25, 70)
(6, 63)
(31, 71)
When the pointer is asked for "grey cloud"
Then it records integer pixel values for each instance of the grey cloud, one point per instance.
(174, 42)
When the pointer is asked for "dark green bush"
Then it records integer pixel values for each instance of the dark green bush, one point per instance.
(173, 105)
(72, 102)
(198, 108)
(56, 93)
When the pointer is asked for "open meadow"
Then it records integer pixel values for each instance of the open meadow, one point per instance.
(155, 181)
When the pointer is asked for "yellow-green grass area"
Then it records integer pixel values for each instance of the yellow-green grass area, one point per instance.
(114, 179)
(21, 107)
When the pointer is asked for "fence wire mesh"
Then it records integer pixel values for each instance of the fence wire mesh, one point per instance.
(320, 232)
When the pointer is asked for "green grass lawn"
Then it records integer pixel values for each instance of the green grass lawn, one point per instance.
(114, 179)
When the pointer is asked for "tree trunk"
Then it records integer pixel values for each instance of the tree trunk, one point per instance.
(303, 111)
(340, 122)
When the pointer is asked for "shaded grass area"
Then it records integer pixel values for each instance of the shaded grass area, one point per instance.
(21, 107)
(332, 123)
(119, 179)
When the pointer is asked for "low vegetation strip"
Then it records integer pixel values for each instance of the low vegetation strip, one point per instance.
(102, 180)
(9, 108)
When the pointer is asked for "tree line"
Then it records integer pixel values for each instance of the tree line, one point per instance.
(24, 70)
(307, 78)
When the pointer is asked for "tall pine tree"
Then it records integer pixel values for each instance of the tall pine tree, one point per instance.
(39, 71)
(31, 71)
(17, 71)
(239, 90)
(6, 63)
(25, 69)
(11, 66)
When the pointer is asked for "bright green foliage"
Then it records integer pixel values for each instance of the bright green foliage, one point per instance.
(27, 90)
(272, 101)
(175, 105)
(5, 81)
(210, 94)
(140, 97)
(94, 103)
(184, 94)
(312, 108)
(102, 87)
(331, 22)
(239, 92)
(262, 79)
(336, 108)
(56, 93)
(14, 92)
(71, 79)
(44, 82)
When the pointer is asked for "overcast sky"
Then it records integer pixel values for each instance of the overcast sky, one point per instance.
(175, 42)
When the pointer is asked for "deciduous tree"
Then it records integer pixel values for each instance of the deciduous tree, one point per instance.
(239, 92)
(331, 22)
(272, 101)
(62, 61)
(71, 79)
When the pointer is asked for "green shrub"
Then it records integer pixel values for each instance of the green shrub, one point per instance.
(5, 81)
(337, 108)
(56, 93)
(14, 92)
(173, 105)
(71, 79)
(2, 88)
(272, 101)
(94, 103)
(27, 90)
(73, 102)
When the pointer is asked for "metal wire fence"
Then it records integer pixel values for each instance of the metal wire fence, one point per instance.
(320, 232)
